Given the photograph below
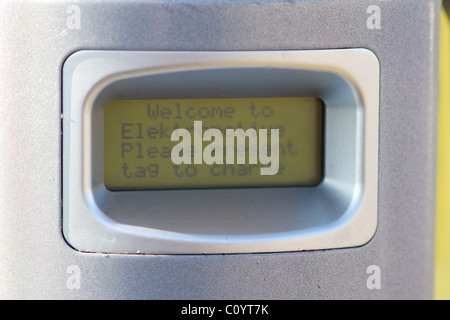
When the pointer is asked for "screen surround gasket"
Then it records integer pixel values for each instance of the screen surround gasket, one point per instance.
(339, 212)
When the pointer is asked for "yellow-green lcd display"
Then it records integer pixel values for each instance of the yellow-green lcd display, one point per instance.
(167, 144)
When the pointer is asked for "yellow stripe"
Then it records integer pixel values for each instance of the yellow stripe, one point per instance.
(442, 277)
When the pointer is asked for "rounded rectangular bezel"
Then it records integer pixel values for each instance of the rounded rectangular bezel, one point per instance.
(341, 211)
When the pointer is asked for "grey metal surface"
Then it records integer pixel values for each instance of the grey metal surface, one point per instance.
(35, 38)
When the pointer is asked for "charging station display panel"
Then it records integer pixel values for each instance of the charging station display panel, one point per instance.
(213, 143)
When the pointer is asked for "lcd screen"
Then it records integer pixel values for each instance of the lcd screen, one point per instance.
(213, 143)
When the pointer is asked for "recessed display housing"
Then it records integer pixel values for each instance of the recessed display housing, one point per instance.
(339, 211)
